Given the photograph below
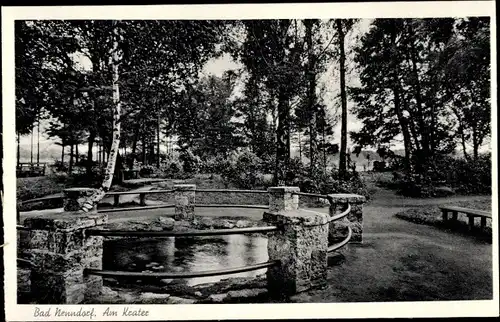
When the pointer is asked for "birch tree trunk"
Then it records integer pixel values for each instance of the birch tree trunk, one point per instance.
(92, 200)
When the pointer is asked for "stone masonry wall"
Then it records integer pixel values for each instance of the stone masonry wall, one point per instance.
(60, 252)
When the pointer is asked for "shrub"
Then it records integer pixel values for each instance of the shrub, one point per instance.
(146, 170)
(467, 177)
(326, 183)
(190, 162)
(243, 170)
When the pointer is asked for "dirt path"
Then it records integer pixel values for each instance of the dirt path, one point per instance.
(403, 261)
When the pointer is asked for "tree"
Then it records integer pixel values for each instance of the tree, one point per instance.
(342, 27)
(92, 200)
(466, 60)
(272, 52)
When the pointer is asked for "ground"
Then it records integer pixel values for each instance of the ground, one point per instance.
(397, 261)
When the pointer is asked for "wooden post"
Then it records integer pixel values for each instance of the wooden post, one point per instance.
(445, 215)
(471, 222)
(116, 202)
(455, 216)
(483, 222)
(142, 197)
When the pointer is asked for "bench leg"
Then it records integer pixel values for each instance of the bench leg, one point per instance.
(116, 200)
(142, 197)
(471, 223)
(454, 216)
(445, 216)
(483, 222)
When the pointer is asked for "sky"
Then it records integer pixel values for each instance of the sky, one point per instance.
(218, 66)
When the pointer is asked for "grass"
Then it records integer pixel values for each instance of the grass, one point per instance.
(36, 187)
(431, 215)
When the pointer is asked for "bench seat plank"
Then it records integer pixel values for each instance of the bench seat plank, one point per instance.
(468, 211)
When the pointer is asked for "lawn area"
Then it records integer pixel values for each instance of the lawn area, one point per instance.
(431, 215)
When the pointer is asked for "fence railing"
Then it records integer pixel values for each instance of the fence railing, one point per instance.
(142, 198)
(161, 275)
(279, 225)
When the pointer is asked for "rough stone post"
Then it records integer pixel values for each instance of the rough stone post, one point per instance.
(75, 197)
(184, 201)
(300, 245)
(60, 251)
(354, 219)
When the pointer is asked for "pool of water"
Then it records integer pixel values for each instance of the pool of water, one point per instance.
(187, 254)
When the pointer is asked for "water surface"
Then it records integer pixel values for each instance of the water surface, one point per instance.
(187, 254)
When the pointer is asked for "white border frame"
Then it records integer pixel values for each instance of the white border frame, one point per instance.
(15, 312)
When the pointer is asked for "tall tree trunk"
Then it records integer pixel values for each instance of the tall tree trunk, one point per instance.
(462, 140)
(300, 148)
(411, 124)
(38, 140)
(324, 149)
(152, 152)
(99, 153)
(343, 96)
(144, 160)
(134, 147)
(424, 128)
(404, 128)
(32, 129)
(92, 201)
(475, 144)
(282, 138)
(18, 150)
(62, 155)
(76, 152)
(89, 153)
(158, 143)
(70, 169)
(311, 100)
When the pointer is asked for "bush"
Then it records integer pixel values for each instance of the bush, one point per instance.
(327, 183)
(190, 162)
(146, 170)
(446, 175)
(243, 170)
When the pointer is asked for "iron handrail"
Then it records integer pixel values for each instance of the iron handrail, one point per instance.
(342, 243)
(119, 193)
(135, 208)
(230, 206)
(307, 194)
(211, 232)
(160, 275)
(146, 192)
(231, 191)
(341, 215)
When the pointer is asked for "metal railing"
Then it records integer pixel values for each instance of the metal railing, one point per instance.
(341, 244)
(191, 233)
(142, 197)
(161, 275)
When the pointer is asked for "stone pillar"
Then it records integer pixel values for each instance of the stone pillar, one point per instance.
(75, 197)
(281, 198)
(354, 219)
(300, 245)
(184, 201)
(60, 251)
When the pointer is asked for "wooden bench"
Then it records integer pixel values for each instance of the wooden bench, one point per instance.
(30, 169)
(470, 213)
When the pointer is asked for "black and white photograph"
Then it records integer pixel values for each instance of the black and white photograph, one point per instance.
(286, 160)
